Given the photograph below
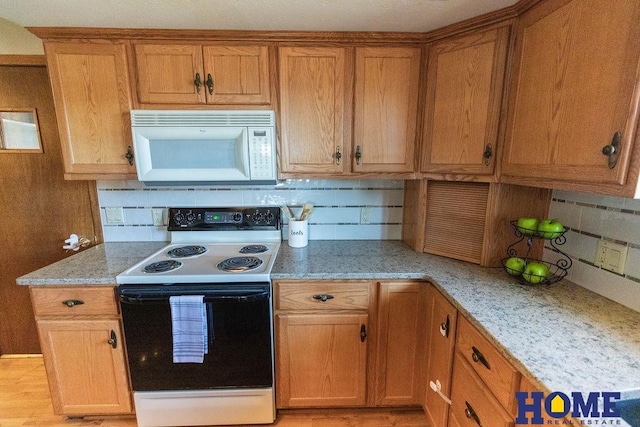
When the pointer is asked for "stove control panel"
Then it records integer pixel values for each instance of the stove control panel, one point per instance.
(244, 218)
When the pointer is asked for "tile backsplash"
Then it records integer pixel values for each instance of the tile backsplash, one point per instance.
(336, 215)
(590, 218)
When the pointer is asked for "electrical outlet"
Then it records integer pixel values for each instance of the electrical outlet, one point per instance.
(611, 256)
(365, 215)
(158, 216)
(114, 216)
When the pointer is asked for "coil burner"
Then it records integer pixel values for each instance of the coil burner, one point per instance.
(253, 249)
(162, 266)
(239, 264)
(186, 251)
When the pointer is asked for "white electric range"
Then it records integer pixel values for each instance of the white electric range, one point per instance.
(223, 258)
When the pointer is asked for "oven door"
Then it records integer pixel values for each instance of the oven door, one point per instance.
(239, 337)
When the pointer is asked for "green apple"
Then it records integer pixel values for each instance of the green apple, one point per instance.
(514, 266)
(528, 226)
(550, 229)
(535, 272)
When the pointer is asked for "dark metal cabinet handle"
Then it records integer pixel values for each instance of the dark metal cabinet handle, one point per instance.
(486, 156)
(72, 302)
(210, 84)
(471, 414)
(323, 297)
(129, 155)
(363, 333)
(197, 82)
(477, 356)
(338, 155)
(444, 327)
(612, 150)
(113, 341)
(358, 154)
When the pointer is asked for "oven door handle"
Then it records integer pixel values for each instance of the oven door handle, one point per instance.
(208, 298)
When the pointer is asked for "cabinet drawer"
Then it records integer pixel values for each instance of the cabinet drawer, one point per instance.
(322, 295)
(73, 301)
(472, 404)
(496, 372)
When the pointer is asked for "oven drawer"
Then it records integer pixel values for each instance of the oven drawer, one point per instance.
(73, 301)
(496, 372)
(322, 295)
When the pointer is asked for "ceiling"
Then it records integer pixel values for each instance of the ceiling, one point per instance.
(312, 15)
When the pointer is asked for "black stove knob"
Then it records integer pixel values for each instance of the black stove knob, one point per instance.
(258, 217)
(237, 217)
(190, 217)
(270, 217)
(178, 218)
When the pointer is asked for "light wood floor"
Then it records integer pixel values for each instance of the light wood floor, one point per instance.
(25, 401)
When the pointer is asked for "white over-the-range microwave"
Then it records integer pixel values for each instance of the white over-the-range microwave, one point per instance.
(183, 147)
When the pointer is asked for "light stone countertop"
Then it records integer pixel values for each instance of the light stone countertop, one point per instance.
(98, 265)
(563, 337)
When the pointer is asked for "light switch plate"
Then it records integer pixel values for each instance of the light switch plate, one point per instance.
(114, 216)
(611, 256)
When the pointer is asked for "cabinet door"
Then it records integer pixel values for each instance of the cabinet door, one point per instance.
(236, 74)
(87, 375)
(473, 404)
(313, 115)
(170, 74)
(386, 104)
(464, 92)
(575, 86)
(321, 360)
(399, 355)
(441, 337)
(92, 100)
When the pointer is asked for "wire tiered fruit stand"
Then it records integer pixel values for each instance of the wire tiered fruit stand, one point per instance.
(557, 270)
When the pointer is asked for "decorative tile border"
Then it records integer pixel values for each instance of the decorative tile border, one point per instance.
(383, 196)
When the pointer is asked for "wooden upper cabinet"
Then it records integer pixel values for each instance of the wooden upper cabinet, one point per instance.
(92, 99)
(202, 74)
(313, 111)
(386, 108)
(167, 74)
(239, 74)
(575, 86)
(465, 77)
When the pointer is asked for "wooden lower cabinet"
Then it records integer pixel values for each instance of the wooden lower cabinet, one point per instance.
(321, 360)
(321, 340)
(472, 403)
(441, 338)
(349, 343)
(401, 322)
(81, 340)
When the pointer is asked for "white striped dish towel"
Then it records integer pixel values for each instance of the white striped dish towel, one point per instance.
(189, 328)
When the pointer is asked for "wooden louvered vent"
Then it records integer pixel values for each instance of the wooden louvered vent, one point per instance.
(455, 219)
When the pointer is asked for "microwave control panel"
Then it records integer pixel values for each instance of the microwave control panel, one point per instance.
(262, 153)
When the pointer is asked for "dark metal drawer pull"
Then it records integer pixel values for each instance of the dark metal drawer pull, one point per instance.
(323, 297)
(114, 340)
(471, 414)
(479, 357)
(363, 333)
(72, 302)
(444, 327)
